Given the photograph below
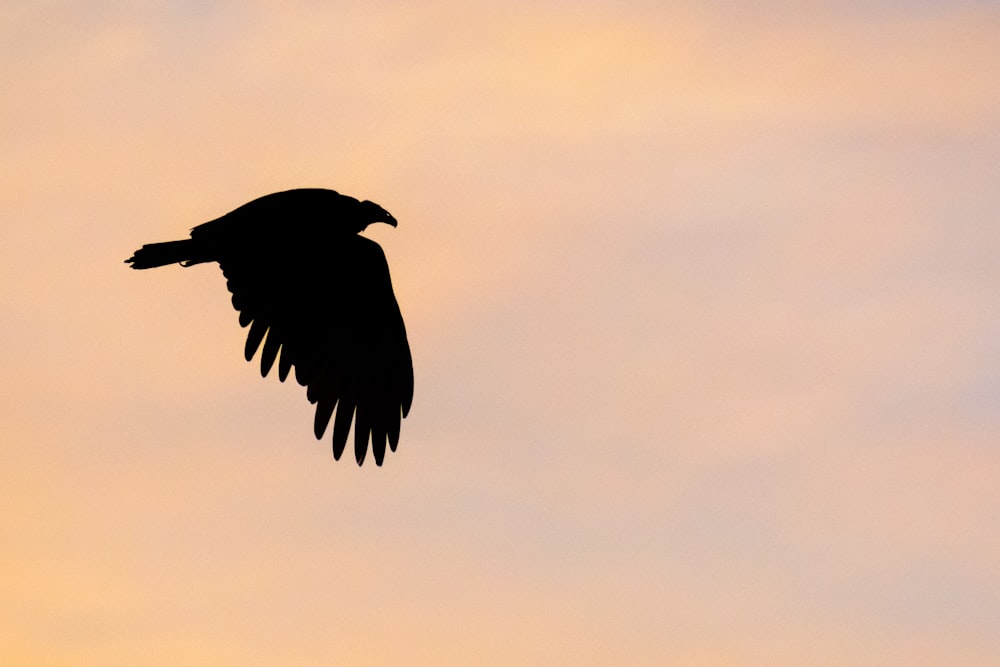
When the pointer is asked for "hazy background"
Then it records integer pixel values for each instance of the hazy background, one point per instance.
(704, 306)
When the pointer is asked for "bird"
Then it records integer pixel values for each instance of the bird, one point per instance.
(317, 297)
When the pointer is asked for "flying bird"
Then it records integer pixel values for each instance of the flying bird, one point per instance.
(317, 297)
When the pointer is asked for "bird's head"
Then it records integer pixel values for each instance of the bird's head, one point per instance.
(372, 212)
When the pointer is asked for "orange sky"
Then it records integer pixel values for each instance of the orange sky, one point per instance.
(703, 310)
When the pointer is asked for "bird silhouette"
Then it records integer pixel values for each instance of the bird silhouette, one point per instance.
(302, 276)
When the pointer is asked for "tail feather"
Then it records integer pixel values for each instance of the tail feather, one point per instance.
(151, 255)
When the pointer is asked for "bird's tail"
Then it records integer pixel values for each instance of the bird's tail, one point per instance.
(185, 252)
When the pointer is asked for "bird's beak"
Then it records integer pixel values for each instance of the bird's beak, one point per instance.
(389, 220)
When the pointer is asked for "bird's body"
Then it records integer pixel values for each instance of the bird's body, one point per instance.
(317, 298)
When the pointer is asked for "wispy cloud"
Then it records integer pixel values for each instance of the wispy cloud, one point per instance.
(701, 301)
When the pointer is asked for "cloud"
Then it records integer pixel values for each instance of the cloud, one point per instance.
(701, 309)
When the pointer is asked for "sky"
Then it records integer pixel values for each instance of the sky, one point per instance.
(703, 305)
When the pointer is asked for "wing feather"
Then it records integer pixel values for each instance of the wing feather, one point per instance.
(270, 351)
(341, 427)
(254, 337)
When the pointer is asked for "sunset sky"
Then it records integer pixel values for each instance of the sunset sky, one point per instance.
(704, 305)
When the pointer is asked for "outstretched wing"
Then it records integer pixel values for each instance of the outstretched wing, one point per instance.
(330, 313)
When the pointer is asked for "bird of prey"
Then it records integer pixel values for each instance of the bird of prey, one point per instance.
(301, 275)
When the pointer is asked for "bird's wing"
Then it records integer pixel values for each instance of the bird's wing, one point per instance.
(331, 314)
